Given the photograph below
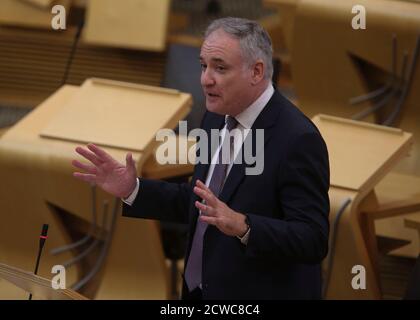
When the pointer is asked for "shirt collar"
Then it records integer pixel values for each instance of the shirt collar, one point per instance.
(247, 117)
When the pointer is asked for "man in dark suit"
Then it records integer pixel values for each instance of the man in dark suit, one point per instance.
(252, 236)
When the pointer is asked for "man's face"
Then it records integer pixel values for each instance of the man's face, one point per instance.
(225, 78)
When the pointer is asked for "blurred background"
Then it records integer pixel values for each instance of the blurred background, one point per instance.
(354, 70)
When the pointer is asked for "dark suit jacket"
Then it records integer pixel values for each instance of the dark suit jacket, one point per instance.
(287, 204)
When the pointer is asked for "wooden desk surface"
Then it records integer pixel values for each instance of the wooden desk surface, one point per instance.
(118, 114)
(27, 131)
(353, 147)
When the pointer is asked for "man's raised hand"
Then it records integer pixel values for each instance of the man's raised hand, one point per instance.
(106, 172)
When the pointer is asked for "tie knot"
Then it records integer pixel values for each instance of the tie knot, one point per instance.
(231, 122)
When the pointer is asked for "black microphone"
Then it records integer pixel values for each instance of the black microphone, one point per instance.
(42, 239)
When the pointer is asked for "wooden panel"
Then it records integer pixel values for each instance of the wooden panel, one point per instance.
(130, 110)
(139, 24)
(117, 64)
(35, 62)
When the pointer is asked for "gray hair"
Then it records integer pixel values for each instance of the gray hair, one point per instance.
(255, 42)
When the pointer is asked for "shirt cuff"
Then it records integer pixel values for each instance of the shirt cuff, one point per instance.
(244, 239)
(133, 195)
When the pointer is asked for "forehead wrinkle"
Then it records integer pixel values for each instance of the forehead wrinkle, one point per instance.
(216, 53)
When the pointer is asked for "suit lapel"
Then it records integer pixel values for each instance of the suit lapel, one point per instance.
(265, 121)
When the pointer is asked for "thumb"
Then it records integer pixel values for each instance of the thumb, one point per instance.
(130, 162)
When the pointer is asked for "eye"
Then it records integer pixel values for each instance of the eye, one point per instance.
(203, 66)
(221, 68)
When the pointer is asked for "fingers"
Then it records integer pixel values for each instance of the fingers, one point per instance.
(87, 177)
(129, 162)
(205, 193)
(100, 153)
(89, 156)
(209, 220)
(204, 187)
(209, 211)
(85, 167)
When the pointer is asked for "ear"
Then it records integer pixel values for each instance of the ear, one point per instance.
(258, 72)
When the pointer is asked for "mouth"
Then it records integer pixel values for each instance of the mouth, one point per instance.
(212, 95)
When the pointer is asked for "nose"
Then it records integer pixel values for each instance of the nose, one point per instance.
(207, 78)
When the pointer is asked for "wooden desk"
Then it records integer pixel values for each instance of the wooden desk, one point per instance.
(39, 287)
(357, 163)
(135, 24)
(397, 197)
(39, 170)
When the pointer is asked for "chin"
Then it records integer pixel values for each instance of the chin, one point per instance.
(215, 108)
